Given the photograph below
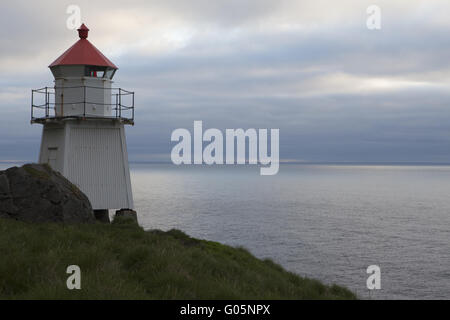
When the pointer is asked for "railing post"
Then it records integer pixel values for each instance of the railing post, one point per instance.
(47, 109)
(117, 111)
(120, 103)
(132, 110)
(46, 102)
(54, 100)
(32, 103)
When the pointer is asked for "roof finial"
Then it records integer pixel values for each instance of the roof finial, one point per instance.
(83, 31)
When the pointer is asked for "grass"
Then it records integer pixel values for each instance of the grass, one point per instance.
(122, 261)
(38, 173)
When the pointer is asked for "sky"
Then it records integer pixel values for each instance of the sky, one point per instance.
(338, 91)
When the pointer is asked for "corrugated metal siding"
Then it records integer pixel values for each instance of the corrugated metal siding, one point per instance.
(96, 166)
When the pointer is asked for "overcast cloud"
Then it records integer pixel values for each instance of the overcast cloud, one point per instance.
(336, 90)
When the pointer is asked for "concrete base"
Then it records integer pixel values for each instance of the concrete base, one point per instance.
(102, 216)
(127, 213)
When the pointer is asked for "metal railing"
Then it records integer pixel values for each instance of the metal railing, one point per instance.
(48, 103)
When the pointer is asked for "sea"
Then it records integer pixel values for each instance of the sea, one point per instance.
(324, 221)
(328, 222)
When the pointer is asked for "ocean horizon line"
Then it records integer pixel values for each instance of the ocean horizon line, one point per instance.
(284, 162)
(363, 163)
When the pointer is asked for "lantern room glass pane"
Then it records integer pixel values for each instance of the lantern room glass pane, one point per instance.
(95, 71)
(110, 73)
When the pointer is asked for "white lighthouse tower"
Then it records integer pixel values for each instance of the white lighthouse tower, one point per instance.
(83, 119)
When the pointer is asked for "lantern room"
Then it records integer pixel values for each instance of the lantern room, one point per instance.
(83, 60)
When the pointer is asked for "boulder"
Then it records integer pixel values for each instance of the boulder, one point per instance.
(36, 193)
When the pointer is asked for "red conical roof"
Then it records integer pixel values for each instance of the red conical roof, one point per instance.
(83, 53)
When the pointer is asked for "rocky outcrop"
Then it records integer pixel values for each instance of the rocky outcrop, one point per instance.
(36, 193)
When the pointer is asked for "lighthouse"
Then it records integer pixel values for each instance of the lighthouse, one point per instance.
(84, 117)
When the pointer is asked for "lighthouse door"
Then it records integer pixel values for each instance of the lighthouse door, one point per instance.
(52, 152)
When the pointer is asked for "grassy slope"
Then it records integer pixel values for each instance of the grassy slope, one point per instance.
(121, 261)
